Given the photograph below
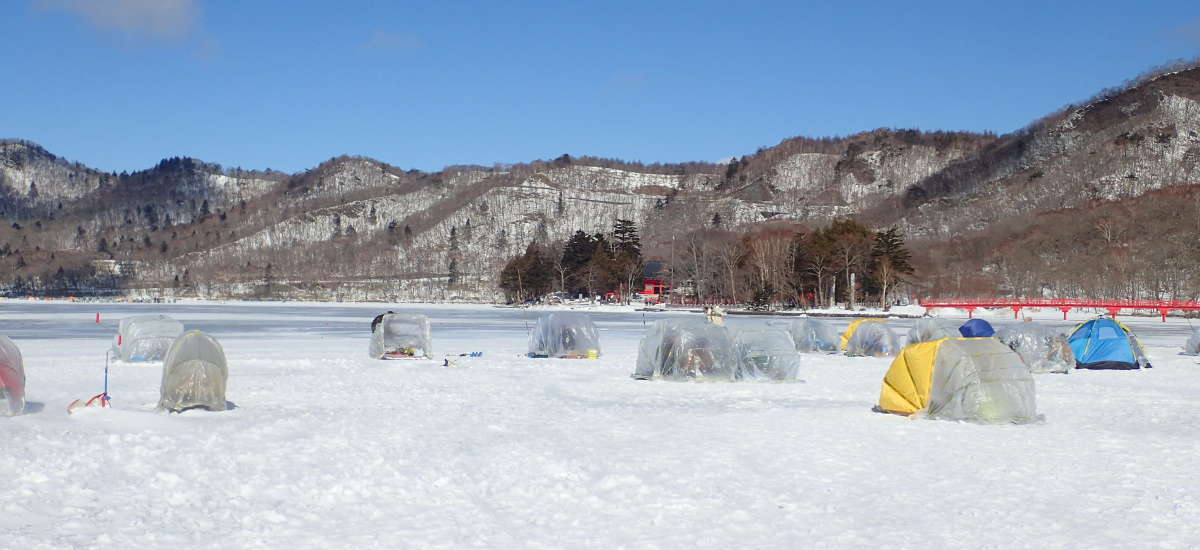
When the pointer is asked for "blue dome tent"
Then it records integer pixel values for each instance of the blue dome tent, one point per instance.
(977, 328)
(1106, 344)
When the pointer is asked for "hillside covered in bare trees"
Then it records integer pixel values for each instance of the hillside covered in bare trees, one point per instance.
(1099, 199)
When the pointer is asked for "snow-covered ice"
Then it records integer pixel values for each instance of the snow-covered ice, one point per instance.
(329, 449)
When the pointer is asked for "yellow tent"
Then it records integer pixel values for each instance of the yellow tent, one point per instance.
(853, 327)
(978, 379)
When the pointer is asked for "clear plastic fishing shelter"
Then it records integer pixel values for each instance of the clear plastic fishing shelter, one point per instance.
(928, 329)
(565, 335)
(402, 336)
(768, 354)
(872, 338)
(972, 379)
(1041, 348)
(145, 337)
(194, 374)
(813, 335)
(686, 349)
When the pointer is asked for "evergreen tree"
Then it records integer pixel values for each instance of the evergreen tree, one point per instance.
(850, 243)
(627, 241)
(527, 276)
(577, 252)
(891, 261)
(453, 277)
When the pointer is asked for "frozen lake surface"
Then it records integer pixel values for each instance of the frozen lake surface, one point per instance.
(329, 449)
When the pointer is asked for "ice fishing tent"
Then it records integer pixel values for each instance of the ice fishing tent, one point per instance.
(12, 378)
(871, 338)
(145, 337)
(850, 330)
(1192, 347)
(194, 374)
(1042, 348)
(928, 329)
(565, 334)
(1106, 344)
(401, 336)
(686, 349)
(812, 335)
(767, 354)
(975, 379)
(976, 328)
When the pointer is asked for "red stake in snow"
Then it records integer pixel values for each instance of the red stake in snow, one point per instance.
(97, 317)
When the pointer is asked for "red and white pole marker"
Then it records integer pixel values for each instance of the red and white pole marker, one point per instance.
(97, 316)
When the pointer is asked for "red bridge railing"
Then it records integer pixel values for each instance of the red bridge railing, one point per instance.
(1114, 307)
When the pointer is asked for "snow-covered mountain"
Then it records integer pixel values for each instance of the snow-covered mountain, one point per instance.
(357, 227)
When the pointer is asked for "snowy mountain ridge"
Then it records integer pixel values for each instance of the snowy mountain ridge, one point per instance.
(191, 226)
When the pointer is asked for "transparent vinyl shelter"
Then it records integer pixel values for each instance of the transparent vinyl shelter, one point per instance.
(684, 349)
(928, 329)
(402, 336)
(565, 334)
(972, 379)
(1192, 346)
(12, 378)
(872, 338)
(1041, 348)
(145, 337)
(194, 374)
(813, 335)
(767, 354)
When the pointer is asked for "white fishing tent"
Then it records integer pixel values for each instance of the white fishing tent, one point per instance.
(767, 354)
(402, 336)
(872, 338)
(928, 329)
(682, 349)
(145, 337)
(194, 374)
(813, 335)
(565, 334)
(1192, 346)
(12, 378)
(973, 379)
(1041, 348)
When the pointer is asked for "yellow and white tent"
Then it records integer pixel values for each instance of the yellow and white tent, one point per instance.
(870, 338)
(854, 327)
(976, 379)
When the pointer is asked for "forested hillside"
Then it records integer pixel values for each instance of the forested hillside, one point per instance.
(1098, 199)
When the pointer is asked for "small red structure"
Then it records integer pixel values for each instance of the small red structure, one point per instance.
(657, 287)
(1065, 305)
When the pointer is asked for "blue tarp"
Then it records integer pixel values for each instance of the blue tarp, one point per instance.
(1104, 343)
(976, 328)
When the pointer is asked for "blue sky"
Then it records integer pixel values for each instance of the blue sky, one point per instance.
(120, 84)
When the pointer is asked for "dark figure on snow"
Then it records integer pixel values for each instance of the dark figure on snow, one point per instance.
(378, 319)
